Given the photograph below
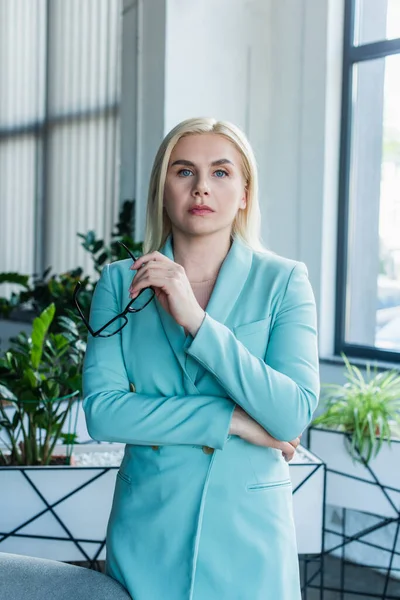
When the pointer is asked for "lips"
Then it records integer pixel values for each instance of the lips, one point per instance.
(201, 210)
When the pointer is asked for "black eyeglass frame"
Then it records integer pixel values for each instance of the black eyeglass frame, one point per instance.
(127, 309)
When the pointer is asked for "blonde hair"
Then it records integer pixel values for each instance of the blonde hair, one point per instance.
(246, 225)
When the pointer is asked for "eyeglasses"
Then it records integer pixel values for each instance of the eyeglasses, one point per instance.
(148, 295)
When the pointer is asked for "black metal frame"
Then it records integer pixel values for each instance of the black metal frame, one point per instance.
(316, 579)
(351, 55)
(346, 539)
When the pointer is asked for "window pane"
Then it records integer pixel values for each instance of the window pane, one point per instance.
(17, 222)
(59, 130)
(376, 20)
(22, 63)
(373, 284)
(83, 55)
(82, 186)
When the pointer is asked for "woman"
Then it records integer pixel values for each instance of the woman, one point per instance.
(210, 385)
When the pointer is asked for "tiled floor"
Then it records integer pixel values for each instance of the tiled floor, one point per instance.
(359, 579)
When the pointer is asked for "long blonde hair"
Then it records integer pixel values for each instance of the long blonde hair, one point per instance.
(246, 225)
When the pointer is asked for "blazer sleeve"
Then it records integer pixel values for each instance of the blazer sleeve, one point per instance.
(280, 392)
(115, 414)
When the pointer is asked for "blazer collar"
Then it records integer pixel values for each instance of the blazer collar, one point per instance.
(228, 286)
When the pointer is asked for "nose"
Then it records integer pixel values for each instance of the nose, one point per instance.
(201, 187)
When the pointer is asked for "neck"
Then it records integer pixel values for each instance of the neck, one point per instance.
(201, 256)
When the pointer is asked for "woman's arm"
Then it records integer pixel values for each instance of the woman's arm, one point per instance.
(280, 392)
(113, 413)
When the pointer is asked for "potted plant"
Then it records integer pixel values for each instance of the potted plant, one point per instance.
(356, 438)
(40, 379)
(47, 506)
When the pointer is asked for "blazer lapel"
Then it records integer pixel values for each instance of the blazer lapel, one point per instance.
(228, 286)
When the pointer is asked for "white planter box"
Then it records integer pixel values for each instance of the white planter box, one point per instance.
(56, 512)
(62, 512)
(351, 484)
(307, 473)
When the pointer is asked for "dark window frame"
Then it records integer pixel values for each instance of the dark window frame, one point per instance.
(351, 55)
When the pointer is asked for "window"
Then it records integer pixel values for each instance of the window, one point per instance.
(59, 129)
(368, 277)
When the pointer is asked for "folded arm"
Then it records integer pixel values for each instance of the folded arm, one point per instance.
(115, 414)
(280, 392)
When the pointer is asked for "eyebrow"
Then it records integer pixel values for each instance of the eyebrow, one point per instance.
(215, 163)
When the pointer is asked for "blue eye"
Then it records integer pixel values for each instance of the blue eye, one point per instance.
(220, 173)
(185, 172)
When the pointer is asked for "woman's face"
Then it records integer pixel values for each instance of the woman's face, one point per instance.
(204, 169)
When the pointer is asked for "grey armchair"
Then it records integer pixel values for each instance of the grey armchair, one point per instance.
(28, 578)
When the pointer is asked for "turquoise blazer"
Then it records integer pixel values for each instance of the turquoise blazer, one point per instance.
(199, 514)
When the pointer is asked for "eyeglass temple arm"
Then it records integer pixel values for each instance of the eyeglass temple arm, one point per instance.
(128, 251)
(75, 298)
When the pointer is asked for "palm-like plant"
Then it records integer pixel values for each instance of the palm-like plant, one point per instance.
(364, 407)
(41, 377)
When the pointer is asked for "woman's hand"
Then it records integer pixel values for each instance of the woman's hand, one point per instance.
(248, 429)
(171, 286)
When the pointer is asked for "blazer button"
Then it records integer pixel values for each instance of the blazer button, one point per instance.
(155, 447)
(208, 450)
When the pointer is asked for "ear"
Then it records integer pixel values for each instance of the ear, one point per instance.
(243, 201)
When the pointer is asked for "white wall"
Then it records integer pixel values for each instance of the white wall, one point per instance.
(192, 58)
(217, 64)
(303, 142)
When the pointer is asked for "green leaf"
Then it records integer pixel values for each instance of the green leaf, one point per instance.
(40, 328)
(97, 246)
(69, 325)
(31, 378)
(69, 438)
(16, 278)
(101, 259)
(42, 419)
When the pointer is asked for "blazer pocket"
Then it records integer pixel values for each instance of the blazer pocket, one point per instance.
(254, 335)
(258, 487)
(124, 477)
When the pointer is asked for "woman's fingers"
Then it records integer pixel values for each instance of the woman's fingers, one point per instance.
(295, 442)
(171, 286)
(152, 256)
(288, 451)
(151, 274)
(288, 456)
(251, 431)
